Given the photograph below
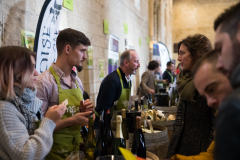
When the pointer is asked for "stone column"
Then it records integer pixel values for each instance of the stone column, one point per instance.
(151, 27)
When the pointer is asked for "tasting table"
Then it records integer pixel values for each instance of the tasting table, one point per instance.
(150, 156)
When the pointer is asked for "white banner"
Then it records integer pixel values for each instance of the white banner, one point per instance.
(164, 55)
(113, 54)
(46, 34)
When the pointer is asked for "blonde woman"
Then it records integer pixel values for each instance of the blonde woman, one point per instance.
(25, 133)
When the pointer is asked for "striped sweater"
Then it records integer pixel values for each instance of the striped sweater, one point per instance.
(16, 142)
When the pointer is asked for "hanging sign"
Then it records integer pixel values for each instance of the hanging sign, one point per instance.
(125, 25)
(105, 26)
(68, 4)
(90, 57)
(164, 55)
(27, 39)
(46, 34)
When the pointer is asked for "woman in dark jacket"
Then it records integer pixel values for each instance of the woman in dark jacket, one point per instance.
(193, 128)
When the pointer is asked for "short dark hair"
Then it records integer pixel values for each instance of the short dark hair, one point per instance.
(153, 65)
(211, 57)
(197, 45)
(71, 37)
(229, 20)
(169, 63)
(125, 56)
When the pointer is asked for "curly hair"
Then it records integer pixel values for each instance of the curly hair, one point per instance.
(71, 37)
(197, 45)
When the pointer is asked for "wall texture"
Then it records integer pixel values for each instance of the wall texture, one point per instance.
(170, 21)
(160, 23)
(87, 16)
(196, 16)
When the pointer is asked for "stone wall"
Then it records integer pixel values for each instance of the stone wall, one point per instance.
(196, 16)
(160, 24)
(175, 20)
(87, 16)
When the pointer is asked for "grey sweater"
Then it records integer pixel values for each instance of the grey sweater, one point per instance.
(16, 143)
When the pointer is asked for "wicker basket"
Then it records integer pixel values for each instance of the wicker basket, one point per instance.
(156, 143)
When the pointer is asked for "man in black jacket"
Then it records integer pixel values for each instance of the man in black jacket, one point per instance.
(117, 85)
(227, 44)
(168, 72)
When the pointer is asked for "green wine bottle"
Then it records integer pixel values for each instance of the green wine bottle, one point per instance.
(173, 97)
(90, 143)
(101, 148)
(136, 104)
(138, 141)
(114, 115)
(125, 129)
(118, 140)
(108, 135)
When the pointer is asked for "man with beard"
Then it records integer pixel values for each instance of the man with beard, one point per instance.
(215, 87)
(117, 85)
(59, 83)
(227, 44)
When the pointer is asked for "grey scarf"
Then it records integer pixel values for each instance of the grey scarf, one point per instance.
(23, 102)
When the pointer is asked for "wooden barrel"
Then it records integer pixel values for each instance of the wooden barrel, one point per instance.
(151, 156)
(170, 110)
(157, 143)
(169, 124)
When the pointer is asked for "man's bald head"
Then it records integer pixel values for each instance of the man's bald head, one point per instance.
(126, 55)
(129, 62)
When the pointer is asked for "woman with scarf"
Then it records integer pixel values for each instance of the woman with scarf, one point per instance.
(25, 133)
(193, 127)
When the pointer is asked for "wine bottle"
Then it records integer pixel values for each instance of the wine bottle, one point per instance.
(150, 103)
(90, 143)
(136, 104)
(173, 97)
(81, 151)
(147, 100)
(101, 148)
(84, 132)
(108, 135)
(84, 129)
(150, 126)
(138, 141)
(142, 104)
(113, 121)
(125, 129)
(118, 140)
